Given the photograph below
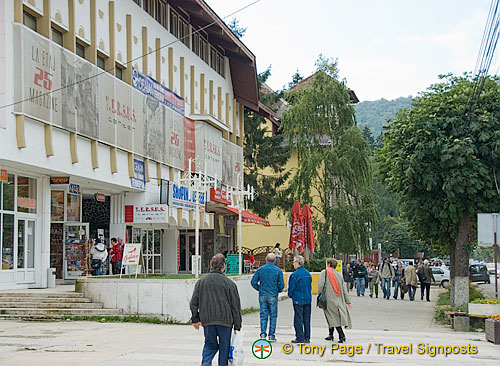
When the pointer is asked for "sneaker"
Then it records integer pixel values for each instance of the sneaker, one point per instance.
(371, 295)
(297, 341)
(263, 335)
(272, 339)
(307, 341)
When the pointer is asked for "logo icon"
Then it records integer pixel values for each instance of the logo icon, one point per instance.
(261, 349)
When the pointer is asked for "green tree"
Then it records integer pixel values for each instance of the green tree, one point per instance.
(238, 31)
(333, 174)
(296, 78)
(265, 155)
(443, 160)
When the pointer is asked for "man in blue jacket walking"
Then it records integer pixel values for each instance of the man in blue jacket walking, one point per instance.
(299, 290)
(268, 280)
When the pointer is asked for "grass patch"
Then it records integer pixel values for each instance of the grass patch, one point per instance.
(441, 317)
(444, 298)
(249, 311)
(3, 311)
(123, 319)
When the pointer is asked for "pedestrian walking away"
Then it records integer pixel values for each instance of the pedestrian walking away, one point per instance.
(360, 274)
(215, 305)
(99, 255)
(278, 253)
(387, 273)
(374, 280)
(338, 302)
(399, 279)
(268, 280)
(425, 276)
(348, 276)
(411, 280)
(299, 290)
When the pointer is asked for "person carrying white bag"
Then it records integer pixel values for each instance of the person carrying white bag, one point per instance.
(216, 306)
(236, 356)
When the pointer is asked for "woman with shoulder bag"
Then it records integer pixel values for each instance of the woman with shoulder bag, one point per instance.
(338, 302)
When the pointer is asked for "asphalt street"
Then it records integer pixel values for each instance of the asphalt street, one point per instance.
(388, 322)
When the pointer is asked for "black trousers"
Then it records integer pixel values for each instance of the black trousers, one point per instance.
(423, 288)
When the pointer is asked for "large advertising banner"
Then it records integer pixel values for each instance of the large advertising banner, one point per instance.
(189, 144)
(67, 91)
(232, 164)
(208, 149)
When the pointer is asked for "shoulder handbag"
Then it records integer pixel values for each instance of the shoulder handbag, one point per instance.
(321, 299)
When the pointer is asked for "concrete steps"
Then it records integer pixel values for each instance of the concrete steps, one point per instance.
(38, 305)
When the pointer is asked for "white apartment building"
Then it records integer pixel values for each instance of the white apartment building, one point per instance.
(102, 106)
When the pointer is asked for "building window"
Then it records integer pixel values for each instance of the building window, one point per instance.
(221, 69)
(195, 43)
(118, 72)
(203, 49)
(213, 57)
(161, 12)
(174, 23)
(101, 63)
(80, 50)
(57, 37)
(29, 21)
(184, 31)
(138, 2)
(26, 194)
(148, 6)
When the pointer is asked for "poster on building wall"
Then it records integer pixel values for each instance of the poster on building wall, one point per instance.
(189, 144)
(208, 149)
(146, 119)
(232, 164)
(175, 139)
(139, 178)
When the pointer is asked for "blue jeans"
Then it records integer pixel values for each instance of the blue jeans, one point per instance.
(302, 321)
(212, 332)
(397, 286)
(411, 291)
(360, 285)
(268, 310)
(386, 287)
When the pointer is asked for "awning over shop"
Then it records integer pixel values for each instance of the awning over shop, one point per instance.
(249, 217)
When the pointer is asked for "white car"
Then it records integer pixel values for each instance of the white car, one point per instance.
(442, 276)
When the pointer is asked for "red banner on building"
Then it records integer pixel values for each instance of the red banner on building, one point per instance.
(189, 144)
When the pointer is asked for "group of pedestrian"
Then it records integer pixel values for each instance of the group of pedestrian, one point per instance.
(100, 252)
(215, 304)
(402, 279)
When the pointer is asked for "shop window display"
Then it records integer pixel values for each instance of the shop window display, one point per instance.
(26, 194)
(7, 241)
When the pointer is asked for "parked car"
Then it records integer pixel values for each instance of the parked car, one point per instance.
(479, 273)
(441, 275)
(491, 268)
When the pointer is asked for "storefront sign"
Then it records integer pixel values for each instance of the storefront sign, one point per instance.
(59, 180)
(26, 202)
(183, 197)
(138, 180)
(157, 91)
(218, 195)
(3, 175)
(146, 214)
(99, 197)
(74, 188)
(232, 264)
(232, 165)
(131, 254)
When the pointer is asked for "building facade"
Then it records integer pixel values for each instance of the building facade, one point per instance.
(104, 108)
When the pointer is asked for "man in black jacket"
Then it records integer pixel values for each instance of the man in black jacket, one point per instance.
(216, 306)
(360, 274)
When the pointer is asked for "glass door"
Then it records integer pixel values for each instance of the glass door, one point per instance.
(151, 250)
(25, 251)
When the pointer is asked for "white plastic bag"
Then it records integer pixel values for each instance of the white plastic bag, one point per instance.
(236, 351)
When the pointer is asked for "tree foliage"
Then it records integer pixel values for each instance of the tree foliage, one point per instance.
(265, 156)
(333, 174)
(443, 162)
(238, 31)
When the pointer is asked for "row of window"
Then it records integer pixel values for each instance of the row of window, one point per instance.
(57, 37)
(180, 28)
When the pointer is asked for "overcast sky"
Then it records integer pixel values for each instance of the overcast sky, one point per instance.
(385, 48)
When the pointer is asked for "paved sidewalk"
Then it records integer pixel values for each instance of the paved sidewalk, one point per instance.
(391, 322)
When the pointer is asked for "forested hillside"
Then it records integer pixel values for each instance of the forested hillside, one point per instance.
(374, 114)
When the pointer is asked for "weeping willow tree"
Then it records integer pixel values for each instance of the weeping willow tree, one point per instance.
(333, 174)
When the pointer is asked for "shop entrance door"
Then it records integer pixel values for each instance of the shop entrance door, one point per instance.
(151, 250)
(187, 250)
(25, 251)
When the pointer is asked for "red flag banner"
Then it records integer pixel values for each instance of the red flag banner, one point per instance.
(308, 232)
(297, 230)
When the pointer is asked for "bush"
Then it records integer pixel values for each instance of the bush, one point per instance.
(316, 265)
(289, 267)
